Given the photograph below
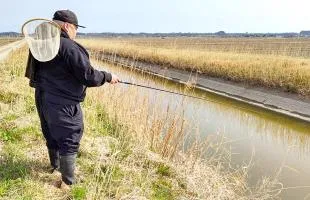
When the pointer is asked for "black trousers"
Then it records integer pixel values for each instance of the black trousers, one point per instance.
(62, 124)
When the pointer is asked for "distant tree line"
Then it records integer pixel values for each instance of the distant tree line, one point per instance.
(10, 34)
(163, 35)
(179, 34)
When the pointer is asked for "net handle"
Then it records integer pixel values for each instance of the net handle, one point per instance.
(34, 19)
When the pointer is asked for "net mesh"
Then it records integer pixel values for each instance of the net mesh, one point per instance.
(43, 38)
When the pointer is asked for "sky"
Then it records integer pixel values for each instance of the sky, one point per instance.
(208, 16)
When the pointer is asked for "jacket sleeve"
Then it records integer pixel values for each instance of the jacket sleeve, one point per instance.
(81, 68)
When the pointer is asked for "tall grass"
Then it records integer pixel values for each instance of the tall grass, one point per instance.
(162, 132)
(281, 71)
(131, 149)
(294, 47)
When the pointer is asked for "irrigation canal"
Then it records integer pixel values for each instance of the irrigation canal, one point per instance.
(276, 145)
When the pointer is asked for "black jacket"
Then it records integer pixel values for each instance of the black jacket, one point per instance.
(65, 78)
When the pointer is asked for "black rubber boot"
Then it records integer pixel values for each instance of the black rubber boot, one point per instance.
(67, 167)
(54, 158)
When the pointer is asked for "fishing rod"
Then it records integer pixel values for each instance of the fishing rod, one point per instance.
(209, 100)
(144, 86)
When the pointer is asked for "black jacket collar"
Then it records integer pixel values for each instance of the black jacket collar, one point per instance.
(64, 34)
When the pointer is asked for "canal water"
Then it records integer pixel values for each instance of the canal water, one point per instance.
(276, 146)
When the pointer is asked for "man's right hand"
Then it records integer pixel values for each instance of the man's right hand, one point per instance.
(114, 79)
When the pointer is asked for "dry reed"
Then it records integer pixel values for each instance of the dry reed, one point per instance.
(274, 70)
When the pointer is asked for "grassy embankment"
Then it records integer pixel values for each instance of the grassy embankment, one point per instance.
(271, 63)
(127, 152)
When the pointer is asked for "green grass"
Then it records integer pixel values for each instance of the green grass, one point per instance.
(163, 170)
(8, 97)
(10, 132)
(79, 192)
(162, 190)
(15, 170)
(12, 169)
(30, 106)
(10, 117)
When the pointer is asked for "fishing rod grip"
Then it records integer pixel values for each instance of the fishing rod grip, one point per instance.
(124, 82)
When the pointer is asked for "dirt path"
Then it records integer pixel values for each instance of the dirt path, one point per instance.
(6, 49)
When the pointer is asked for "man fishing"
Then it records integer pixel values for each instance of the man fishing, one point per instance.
(60, 85)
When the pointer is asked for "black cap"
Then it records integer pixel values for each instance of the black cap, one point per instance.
(67, 16)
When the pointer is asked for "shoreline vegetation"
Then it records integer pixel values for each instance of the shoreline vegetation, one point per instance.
(270, 63)
(127, 151)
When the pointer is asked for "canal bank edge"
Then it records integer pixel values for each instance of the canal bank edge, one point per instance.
(273, 100)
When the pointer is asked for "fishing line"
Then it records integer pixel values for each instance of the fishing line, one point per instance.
(162, 90)
(171, 92)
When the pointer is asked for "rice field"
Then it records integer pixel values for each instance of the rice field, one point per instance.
(268, 62)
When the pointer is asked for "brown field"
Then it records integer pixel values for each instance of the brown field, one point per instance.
(7, 40)
(297, 47)
(269, 62)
